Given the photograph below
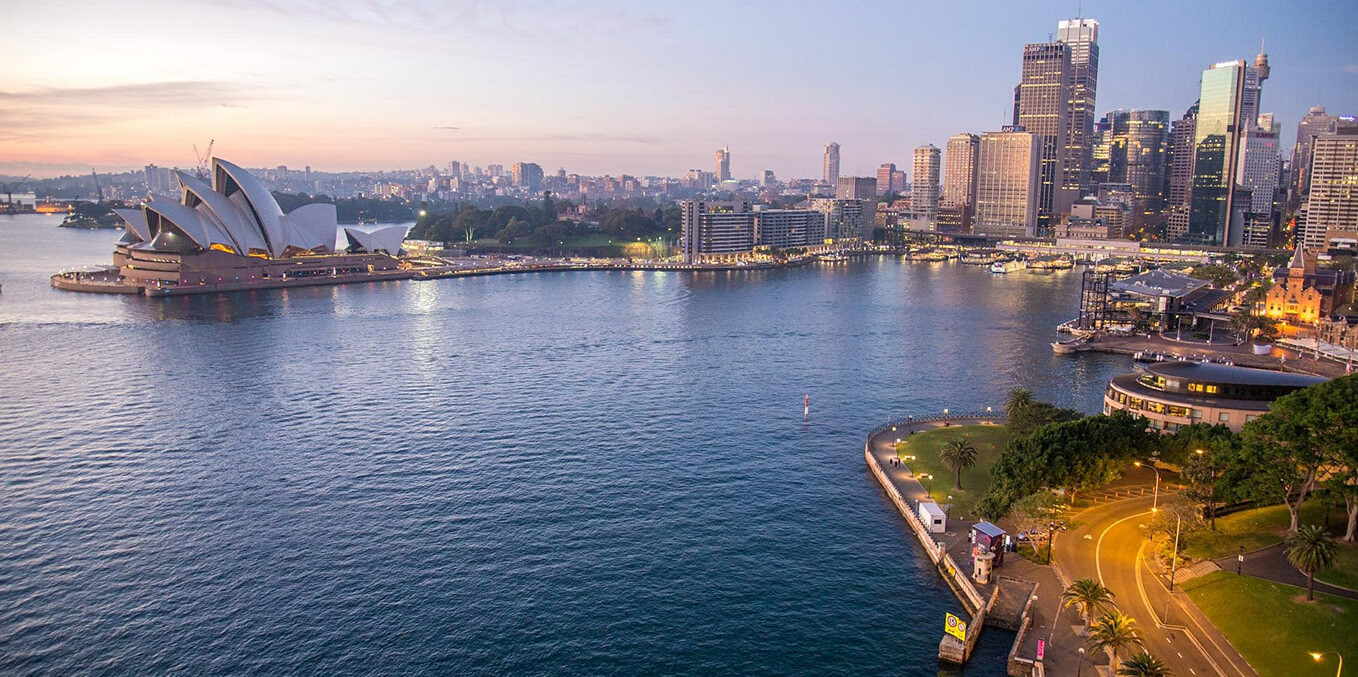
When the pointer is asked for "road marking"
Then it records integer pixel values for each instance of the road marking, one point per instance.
(1098, 547)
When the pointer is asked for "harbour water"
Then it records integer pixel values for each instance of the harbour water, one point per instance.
(588, 472)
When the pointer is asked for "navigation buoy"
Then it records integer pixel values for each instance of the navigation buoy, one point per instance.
(806, 405)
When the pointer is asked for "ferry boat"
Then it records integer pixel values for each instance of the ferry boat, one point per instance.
(833, 257)
(1002, 267)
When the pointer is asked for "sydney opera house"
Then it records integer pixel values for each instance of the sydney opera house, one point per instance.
(232, 235)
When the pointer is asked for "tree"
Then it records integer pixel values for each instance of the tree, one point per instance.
(958, 455)
(1114, 631)
(1088, 595)
(1017, 399)
(1304, 433)
(1035, 511)
(1310, 549)
(1143, 664)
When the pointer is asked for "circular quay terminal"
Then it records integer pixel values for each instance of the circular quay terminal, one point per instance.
(489, 337)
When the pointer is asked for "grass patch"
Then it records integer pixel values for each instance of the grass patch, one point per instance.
(1254, 529)
(1026, 551)
(1270, 628)
(989, 441)
(1345, 569)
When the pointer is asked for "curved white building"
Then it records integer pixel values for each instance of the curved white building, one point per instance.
(233, 235)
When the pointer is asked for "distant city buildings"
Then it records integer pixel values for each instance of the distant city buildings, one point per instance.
(1082, 35)
(1007, 183)
(958, 200)
(527, 175)
(723, 165)
(1332, 202)
(847, 219)
(885, 174)
(1315, 123)
(733, 229)
(1044, 112)
(1180, 181)
(856, 188)
(1132, 147)
(924, 191)
(1228, 105)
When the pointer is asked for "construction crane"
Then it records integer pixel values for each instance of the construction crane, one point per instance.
(9, 193)
(203, 160)
(98, 188)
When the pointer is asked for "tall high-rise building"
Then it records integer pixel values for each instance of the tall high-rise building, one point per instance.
(769, 179)
(959, 178)
(1313, 124)
(715, 228)
(1216, 149)
(1101, 153)
(723, 164)
(885, 172)
(1083, 37)
(1044, 105)
(856, 188)
(527, 175)
(1260, 167)
(1132, 149)
(832, 163)
(924, 191)
(1332, 204)
(1179, 193)
(1007, 183)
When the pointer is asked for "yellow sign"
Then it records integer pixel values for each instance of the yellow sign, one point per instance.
(956, 627)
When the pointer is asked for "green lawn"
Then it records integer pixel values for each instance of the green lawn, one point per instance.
(989, 441)
(1273, 630)
(1254, 529)
(1345, 569)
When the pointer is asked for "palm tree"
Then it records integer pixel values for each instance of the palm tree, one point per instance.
(1087, 594)
(1114, 631)
(1310, 549)
(1142, 664)
(1018, 398)
(958, 455)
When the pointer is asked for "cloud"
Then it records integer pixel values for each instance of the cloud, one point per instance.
(133, 96)
(1351, 69)
(447, 127)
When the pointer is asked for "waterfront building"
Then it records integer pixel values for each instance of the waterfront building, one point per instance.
(847, 219)
(1092, 219)
(1044, 112)
(1332, 204)
(710, 228)
(924, 191)
(233, 235)
(1315, 123)
(831, 163)
(1082, 35)
(788, 228)
(1007, 178)
(1170, 395)
(1303, 294)
(723, 172)
(886, 174)
(961, 156)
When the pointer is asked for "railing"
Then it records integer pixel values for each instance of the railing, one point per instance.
(993, 416)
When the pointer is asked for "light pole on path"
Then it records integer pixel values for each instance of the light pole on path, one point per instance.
(1155, 497)
(1318, 655)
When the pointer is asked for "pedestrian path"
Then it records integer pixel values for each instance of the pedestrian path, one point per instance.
(1271, 564)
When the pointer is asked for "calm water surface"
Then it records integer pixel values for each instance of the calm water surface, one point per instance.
(595, 473)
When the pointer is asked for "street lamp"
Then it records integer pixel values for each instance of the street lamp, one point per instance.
(1081, 665)
(1174, 561)
(1052, 527)
(1155, 497)
(1317, 655)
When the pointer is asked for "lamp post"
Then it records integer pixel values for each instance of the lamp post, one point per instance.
(1317, 655)
(1081, 665)
(1174, 558)
(1155, 497)
(1052, 527)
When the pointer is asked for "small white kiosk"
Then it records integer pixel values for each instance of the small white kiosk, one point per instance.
(933, 517)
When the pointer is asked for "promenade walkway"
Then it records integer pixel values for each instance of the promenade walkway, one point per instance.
(1271, 564)
(1060, 648)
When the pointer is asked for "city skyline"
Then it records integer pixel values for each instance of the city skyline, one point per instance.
(594, 88)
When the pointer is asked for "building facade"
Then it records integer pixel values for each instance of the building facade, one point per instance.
(1044, 112)
(847, 219)
(1170, 395)
(710, 228)
(885, 178)
(924, 191)
(1007, 184)
(1083, 37)
(723, 168)
(1332, 203)
(1315, 123)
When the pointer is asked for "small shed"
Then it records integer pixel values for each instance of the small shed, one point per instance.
(935, 520)
(988, 538)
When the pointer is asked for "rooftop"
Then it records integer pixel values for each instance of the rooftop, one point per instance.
(1222, 374)
(1159, 283)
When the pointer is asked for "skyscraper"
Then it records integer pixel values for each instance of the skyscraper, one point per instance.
(527, 175)
(832, 163)
(1007, 183)
(1333, 201)
(1180, 182)
(959, 178)
(724, 164)
(1216, 148)
(1044, 105)
(884, 178)
(1135, 143)
(924, 191)
(1260, 165)
(1083, 37)
(1313, 124)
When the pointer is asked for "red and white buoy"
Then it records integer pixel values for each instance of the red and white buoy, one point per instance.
(806, 405)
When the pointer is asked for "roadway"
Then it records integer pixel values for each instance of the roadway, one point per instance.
(1108, 544)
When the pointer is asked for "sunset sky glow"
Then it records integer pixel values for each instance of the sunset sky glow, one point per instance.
(598, 87)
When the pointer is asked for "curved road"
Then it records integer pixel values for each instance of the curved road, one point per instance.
(1107, 545)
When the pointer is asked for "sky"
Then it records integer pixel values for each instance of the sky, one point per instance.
(607, 87)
